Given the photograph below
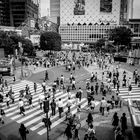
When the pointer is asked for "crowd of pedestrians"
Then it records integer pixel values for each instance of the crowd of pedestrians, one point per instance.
(110, 76)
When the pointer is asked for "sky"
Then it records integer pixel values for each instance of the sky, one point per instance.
(45, 4)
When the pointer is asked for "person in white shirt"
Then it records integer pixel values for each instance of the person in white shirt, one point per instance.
(73, 84)
(69, 103)
(92, 104)
(21, 106)
(103, 105)
(60, 107)
(41, 98)
(44, 86)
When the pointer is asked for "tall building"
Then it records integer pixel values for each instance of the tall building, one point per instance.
(55, 11)
(86, 21)
(15, 12)
(4, 13)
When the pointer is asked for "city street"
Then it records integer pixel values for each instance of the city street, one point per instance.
(34, 116)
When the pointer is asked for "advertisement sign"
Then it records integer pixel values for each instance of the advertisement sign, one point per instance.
(35, 39)
(79, 7)
(106, 6)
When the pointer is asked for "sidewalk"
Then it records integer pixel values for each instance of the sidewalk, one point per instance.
(26, 74)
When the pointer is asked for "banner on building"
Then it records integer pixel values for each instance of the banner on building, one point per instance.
(79, 7)
(106, 6)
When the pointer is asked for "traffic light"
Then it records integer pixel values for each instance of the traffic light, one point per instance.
(46, 106)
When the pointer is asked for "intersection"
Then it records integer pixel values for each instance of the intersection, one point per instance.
(33, 117)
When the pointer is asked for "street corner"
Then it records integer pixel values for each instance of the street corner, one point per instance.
(25, 73)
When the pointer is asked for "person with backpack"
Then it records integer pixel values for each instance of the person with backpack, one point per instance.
(118, 134)
(91, 133)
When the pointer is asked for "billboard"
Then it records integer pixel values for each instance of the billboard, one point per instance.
(106, 6)
(79, 7)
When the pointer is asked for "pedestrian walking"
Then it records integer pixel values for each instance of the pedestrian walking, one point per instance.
(96, 88)
(21, 106)
(40, 100)
(44, 86)
(89, 119)
(60, 107)
(7, 100)
(73, 84)
(69, 103)
(79, 94)
(103, 105)
(92, 105)
(68, 132)
(91, 133)
(115, 120)
(123, 121)
(53, 107)
(23, 131)
(35, 87)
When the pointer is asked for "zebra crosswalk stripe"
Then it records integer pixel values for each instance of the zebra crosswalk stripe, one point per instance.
(33, 118)
(44, 130)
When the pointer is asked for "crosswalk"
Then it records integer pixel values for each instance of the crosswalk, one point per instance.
(33, 117)
(124, 94)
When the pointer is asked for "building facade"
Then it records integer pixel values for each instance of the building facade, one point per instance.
(87, 21)
(55, 11)
(15, 12)
(4, 13)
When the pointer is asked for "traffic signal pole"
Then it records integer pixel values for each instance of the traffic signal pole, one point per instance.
(47, 125)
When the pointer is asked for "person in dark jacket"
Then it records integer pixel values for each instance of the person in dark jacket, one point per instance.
(53, 107)
(115, 120)
(123, 121)
(23, 131)
(68, 132)
(89, 119)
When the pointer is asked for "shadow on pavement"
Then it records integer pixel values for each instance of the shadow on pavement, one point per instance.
(13, 137)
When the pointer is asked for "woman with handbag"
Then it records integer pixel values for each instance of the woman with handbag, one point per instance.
(23, 131)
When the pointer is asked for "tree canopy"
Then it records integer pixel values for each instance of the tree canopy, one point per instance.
(99, 44)
(50, 41)
(9, 41)
(120, 35)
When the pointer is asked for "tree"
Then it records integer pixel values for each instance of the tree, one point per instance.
(9, 41)
(50, 41)
(99, 44)
(6, 43)
(28, 47)
(120, 36)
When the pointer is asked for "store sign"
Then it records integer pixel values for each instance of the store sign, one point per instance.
(108, 21)
(35, 39)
